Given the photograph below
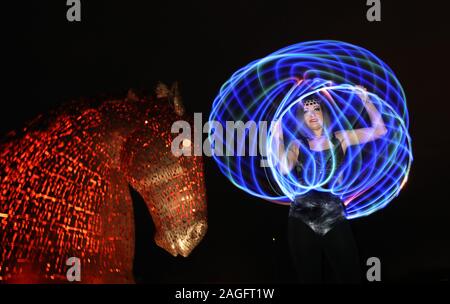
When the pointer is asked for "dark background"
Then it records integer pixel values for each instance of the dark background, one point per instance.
(124, 44)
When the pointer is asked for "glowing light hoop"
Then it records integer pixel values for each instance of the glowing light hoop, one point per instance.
(271, 88)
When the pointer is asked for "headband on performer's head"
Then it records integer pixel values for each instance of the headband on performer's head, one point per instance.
(309, 101)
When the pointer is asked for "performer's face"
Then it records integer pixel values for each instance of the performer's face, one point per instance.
(313, 116)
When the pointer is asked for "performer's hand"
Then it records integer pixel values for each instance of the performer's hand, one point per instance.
(362, 93)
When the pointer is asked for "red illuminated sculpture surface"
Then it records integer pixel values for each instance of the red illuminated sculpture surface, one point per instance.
(64, 190)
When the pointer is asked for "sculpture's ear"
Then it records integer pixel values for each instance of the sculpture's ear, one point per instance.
(162, 91)
(131, 95)
(176, 99)
(174, 88)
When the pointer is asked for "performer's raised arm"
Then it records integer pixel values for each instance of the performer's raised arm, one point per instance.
(363, 135)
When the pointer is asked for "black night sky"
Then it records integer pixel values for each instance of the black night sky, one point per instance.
(123, 44)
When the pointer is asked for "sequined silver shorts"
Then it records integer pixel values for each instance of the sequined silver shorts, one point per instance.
(321, 211)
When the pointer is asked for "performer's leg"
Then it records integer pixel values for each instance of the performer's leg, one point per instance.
(305, 250)
(341, 251)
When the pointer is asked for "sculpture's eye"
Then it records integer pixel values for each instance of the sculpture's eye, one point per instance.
(185, 146)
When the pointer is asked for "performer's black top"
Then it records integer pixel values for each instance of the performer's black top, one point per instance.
(319, 210)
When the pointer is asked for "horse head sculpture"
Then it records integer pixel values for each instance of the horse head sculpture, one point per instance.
(64, 189)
